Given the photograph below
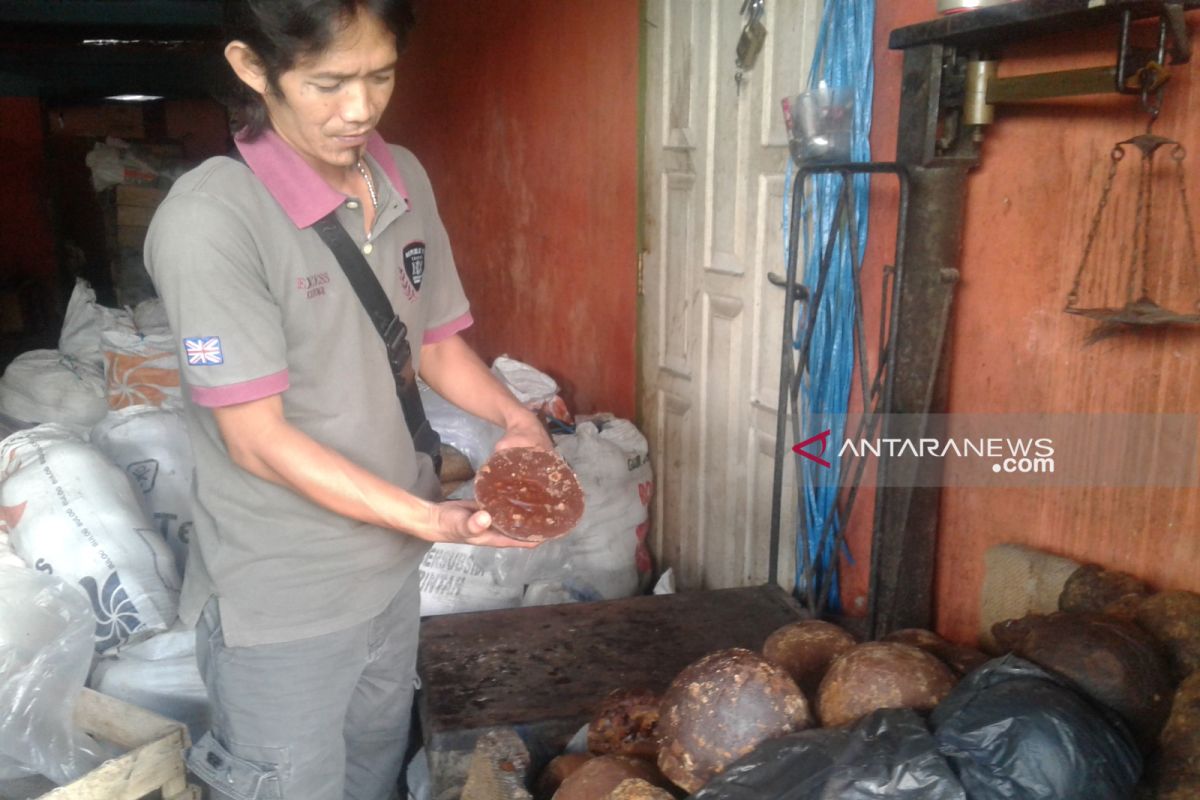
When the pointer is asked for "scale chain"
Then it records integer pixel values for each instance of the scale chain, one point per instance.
(1117, 154)
(1178, 154)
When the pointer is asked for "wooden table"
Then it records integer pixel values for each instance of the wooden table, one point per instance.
(542, 670)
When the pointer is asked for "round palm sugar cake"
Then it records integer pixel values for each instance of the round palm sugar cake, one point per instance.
(878, 675)
(530, 493)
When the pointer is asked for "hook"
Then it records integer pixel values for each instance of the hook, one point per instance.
(1152, 77)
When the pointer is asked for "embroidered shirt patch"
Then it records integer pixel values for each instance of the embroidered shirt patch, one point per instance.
(203, 351)
(414, 262)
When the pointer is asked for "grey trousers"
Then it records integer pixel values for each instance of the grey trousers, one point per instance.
(324, 718)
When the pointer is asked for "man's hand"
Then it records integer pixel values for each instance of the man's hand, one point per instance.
(525, 431)
(463, 522)
(451, 367)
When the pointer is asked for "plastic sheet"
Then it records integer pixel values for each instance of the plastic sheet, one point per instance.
(45, 650)
(1014, 732)
(475, 438)
(536, 390)
(888, 755)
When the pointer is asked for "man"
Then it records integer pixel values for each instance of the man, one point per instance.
(313, 508)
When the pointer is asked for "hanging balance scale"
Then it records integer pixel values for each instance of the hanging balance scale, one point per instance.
(1139, 264)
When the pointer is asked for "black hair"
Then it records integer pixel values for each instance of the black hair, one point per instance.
(282, 32)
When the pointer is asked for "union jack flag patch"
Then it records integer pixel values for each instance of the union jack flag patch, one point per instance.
(203, 351)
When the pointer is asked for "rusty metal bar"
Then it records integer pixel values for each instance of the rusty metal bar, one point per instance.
(904, 538)
(794, 364)
(1071, 82)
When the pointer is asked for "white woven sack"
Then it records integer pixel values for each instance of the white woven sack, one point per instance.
(159, 674)
(451, 582)
(45, 386)
(152, 446)
(72, 512)
(141, 368)
(612, 468)
(83, 323)
(150, 317)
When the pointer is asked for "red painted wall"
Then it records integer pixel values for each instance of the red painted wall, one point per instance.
(525, 115)
(1014, 350)
(26, 239)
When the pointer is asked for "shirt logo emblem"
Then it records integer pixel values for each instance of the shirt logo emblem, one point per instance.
(414, 262)
(313, 285)
(203, 351)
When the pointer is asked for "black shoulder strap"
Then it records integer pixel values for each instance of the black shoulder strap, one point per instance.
(391, 329)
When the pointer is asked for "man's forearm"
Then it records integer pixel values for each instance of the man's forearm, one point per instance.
(455, 372)
(262, 442)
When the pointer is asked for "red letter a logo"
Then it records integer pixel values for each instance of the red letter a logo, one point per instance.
(823, 437)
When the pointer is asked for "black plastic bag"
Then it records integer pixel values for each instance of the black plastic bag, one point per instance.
(1014, 732)
(888, 755)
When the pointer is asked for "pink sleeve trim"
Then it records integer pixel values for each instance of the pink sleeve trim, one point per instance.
(245, 392)
(442, 332)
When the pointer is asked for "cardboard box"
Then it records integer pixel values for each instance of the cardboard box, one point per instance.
(141, 196)
(124, 120)
(134, 216)
(132, 236)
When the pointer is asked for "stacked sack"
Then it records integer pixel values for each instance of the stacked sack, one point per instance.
(71, 512)
(606, 554)
(604, 558)
(106, 359)
(99, 494)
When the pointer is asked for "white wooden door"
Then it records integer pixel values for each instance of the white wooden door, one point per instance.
(711, 322)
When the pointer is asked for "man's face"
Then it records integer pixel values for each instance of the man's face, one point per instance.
(328, 104)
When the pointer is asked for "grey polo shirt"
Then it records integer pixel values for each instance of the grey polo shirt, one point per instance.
(260, 308)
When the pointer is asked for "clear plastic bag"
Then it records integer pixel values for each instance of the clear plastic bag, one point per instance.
(46, 630)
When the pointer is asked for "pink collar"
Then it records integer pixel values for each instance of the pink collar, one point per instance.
(304, 195)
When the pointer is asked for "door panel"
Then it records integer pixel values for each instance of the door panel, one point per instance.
(714, 175)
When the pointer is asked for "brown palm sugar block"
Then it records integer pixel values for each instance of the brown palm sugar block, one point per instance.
(455, 466)
(720, 708)
(530, 493)
(1173, 618)
(1093, 588)
(806, 649)
(881, 675)
(1114, 662)
(1126, 608)
(558, 770)
(625, 723)
(599, 776)
(1180, 744)
(960, 658)
(638, 789)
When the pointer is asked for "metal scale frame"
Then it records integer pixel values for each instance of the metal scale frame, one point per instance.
(949, 91)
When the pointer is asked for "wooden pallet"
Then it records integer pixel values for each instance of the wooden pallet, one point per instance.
(153, 763)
